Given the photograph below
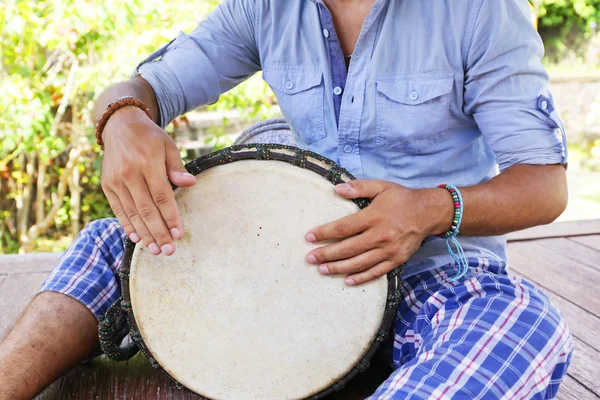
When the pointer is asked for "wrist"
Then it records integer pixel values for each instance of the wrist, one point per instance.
(127, 102)
(439, 206)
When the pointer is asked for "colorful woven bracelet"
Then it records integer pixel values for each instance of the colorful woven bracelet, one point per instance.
(113, 108)
(450, 235)
(458, 211)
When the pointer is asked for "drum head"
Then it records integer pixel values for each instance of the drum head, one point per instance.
(237, 313)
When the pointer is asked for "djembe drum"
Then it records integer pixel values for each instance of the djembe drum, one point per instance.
(237, 313)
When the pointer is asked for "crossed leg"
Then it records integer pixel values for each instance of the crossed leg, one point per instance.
(55, 333)
(59, 328)
(487, 336)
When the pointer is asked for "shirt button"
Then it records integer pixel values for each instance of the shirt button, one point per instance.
(414, 95)
(347, 148)
(544, 105)
(337, 90)
(325, 33)
(289, 85)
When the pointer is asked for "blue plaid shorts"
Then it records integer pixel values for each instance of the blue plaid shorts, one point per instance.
(486, 336)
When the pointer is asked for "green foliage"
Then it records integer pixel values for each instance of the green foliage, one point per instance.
(566, 25)
(56, 57)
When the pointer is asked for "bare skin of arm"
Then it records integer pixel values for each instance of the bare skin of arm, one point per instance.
(389, 231)
(139, 161)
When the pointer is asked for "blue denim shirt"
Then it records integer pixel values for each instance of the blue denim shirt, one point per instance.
(437, 91)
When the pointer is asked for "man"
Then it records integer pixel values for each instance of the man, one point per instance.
(404, 94)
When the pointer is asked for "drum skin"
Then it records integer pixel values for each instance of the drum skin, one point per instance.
(237, 313)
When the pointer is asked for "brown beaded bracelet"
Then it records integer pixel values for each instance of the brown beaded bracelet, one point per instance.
(113, 108)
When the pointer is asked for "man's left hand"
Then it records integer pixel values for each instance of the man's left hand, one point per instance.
(380, 237)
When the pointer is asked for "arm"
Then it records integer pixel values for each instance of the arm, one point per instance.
(140, 159)
(521, 197)
(503, 78)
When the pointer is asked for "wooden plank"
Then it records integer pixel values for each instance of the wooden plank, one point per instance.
(593, 241)
(574, 251)
(105, 379)
(558, 229)
(585, 365)
(570, 389)
(569, 279)
(17, 291)
(28, 263)
(52, 392)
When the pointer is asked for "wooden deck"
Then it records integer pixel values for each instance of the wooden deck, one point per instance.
(563, 259)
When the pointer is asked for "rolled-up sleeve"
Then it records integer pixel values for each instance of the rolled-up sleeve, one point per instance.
(194, 70)
(506, 86)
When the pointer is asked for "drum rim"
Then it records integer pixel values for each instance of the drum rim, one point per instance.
(300, 158)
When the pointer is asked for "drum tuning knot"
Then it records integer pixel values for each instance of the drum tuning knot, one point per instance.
(126, 306)
(300, 158)
(136, 337)
(381, 336)
(363, 365)
(393, 301)
(362, 203)
(153, 362)
(225, 156)
(337, 386)
(334, 175)
(123, 274)
(263, 152)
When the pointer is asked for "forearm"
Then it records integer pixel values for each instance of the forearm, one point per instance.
(521, 197)
(137, 87)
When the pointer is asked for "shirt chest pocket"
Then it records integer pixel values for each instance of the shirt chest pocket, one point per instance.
(412, 111)
(300, 96)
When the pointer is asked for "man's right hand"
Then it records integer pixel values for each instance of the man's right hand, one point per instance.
(139, 161)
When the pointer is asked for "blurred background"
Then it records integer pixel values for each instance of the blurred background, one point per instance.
(56, 56)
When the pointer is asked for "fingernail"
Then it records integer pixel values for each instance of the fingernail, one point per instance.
(134, 237)
(154, 250)
(323, 270)
(310, 238)
(187, 174)
(350, 282)
(311, 259)
(346, 188)
(175, 233)
(167, 249)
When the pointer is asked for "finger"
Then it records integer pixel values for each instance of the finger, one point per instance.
(121, 215)
(345, 249)
(341, 228)
(176, 172)
(164, 199)
(137, 221)
(353, 265)
(365, 188)
(370, 274)
(147, 210)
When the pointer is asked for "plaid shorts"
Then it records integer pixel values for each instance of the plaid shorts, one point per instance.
(486, 336)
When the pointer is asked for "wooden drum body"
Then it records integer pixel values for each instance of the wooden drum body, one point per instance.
(237, 313)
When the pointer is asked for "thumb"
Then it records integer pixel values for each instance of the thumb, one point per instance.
(361, 188)
(177, 173)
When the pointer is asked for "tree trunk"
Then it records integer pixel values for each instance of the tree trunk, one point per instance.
(75, 190)
(28, 244)
(40, 200)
